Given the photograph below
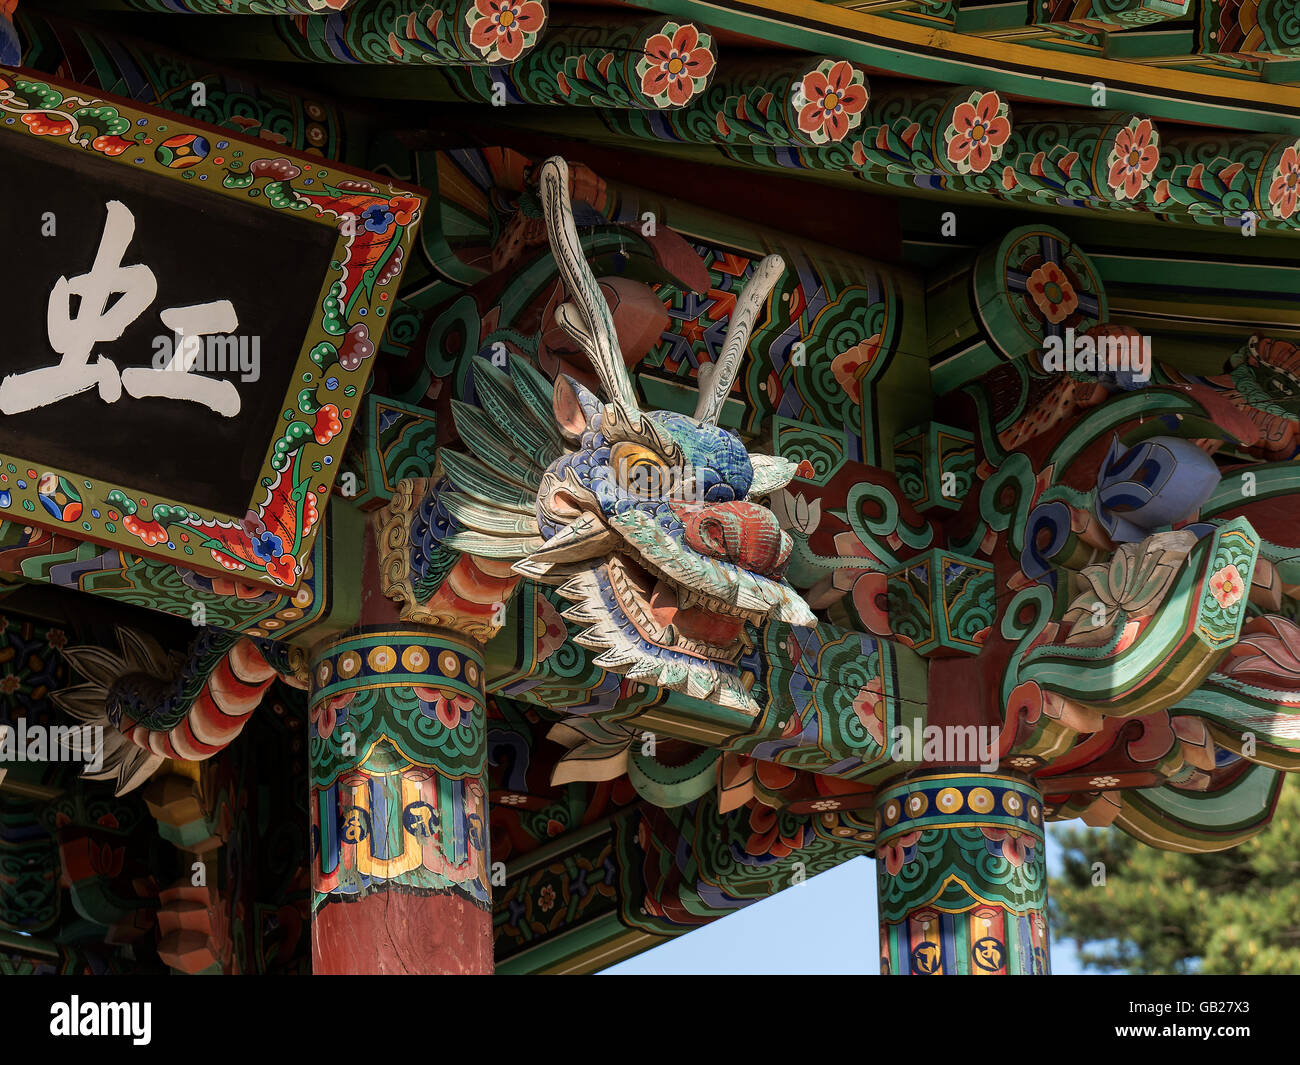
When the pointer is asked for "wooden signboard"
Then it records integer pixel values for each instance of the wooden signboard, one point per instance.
(190, 319)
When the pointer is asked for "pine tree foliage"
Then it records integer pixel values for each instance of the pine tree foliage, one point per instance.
(1231, 912)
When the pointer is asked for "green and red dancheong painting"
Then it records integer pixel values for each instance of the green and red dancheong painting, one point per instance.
(496, 485)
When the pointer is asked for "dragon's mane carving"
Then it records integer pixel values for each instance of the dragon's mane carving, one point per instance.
(648, 521)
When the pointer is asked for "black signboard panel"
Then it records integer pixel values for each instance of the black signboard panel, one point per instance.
(190, 319)
(200, 248)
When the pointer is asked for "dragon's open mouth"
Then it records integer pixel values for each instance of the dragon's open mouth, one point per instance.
(671, 615)
(658, 612)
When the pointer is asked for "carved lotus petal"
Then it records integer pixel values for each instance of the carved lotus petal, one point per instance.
(1139, 575)
(1270, 646)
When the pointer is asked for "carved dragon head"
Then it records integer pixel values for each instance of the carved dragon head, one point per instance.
(648, 521)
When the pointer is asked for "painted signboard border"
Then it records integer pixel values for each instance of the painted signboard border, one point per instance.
(376, 221)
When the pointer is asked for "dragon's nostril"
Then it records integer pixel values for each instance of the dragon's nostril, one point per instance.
(743, 533)
(714, 535)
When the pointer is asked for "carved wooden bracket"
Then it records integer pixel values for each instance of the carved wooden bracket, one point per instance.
(435, 585)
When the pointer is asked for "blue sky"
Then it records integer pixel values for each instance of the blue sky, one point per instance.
(824, 926)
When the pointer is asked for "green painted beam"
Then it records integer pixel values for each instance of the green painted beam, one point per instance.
(1282, 72)
(1014, 69)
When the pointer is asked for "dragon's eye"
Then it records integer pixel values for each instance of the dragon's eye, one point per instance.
(640, 471)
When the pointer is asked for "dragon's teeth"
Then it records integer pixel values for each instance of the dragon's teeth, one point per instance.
(700, 683)
(643, 669)
(615, 657)
(580, 612)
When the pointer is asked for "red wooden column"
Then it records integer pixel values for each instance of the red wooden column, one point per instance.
(398, 805)
(399, 815)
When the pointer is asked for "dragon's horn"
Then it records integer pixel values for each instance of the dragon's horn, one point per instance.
(586, 318)
(715, 378)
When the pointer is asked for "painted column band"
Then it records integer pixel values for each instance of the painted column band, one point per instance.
(959, 800)
(962, 875)
(398, 742)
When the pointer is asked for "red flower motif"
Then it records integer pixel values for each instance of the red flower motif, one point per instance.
(328, 425)
(450, 709)
(1285, 190)
(503, 24)
(1017, 847)
(1052, 293)
(869, 706)
(833, 99)
(324, 717)
(1227, 587)
(977, 129)
(149, 532)
(43, 126)
(111, 144)
(766, 838)
(675, 64)
(552, 632)
(325, 714)
(851, 366)
(895, 852)
(1133, 159)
